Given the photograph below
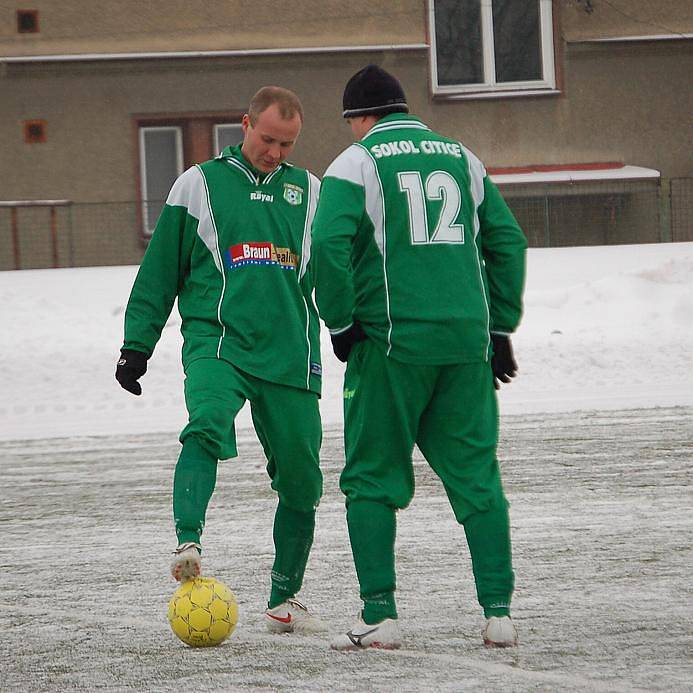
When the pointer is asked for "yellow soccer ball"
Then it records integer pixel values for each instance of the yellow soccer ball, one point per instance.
(203, 612)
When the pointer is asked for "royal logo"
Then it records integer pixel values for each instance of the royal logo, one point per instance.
(261, 197)
(293, 194)
(243, 254)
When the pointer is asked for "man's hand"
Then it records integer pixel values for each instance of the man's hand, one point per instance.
(132, 365)
(503, 361)
(342, 342)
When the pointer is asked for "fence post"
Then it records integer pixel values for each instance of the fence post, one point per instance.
(14, 205)
(664, 208)
(54, 237)
(70, 239)
(15, 239)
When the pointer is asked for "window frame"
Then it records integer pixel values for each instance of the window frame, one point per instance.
(216, 127)
(144, 199)
(490, 88)
(196, 144)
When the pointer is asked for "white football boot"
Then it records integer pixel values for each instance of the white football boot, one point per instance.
(500, 632)
(293, 617)
(381, 636)
(186, 562)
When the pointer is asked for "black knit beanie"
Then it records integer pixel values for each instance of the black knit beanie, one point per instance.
(373, 91)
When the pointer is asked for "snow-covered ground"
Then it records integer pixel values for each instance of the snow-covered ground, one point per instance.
(596, 445)
(604, 328)
(600, 514)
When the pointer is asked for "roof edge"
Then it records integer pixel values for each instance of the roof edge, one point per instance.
(634, 39)
(159, 55)
(571, 173)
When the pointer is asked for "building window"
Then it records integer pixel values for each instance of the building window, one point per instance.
(227, 135)
(27, 21)
(168, 144)
(161, 162)
(491, 47)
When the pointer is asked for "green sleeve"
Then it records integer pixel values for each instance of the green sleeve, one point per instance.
(503, 246)
(159, 279)
(340, 210)
(307, 281)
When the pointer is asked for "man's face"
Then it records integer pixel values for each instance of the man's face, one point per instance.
(267, 143)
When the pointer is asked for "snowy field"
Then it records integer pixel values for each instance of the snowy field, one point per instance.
(601, 530)
(604, 328)
(596, 446)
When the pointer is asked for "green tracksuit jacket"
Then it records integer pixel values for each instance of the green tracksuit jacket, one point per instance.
(412, 239)
(234, 247)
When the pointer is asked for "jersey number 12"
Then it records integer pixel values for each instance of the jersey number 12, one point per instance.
(439, 185)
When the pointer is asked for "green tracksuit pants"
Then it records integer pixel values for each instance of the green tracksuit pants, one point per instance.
(451, 413)
(287, 422)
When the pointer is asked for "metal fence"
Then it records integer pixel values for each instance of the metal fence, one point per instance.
(60, 233)
(588, 213)
(681, 196)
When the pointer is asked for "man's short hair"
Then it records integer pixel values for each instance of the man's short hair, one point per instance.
(287, 102)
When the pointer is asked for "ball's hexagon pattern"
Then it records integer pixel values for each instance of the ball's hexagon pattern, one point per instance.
(203, 612)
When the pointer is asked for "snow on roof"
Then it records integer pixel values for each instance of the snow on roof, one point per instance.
(570, 173)
(675, 36)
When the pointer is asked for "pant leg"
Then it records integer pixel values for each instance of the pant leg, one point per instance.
(293, 538)
(213, 394)
(215, 391)
(193, 484)
(458, 436)
(383, 400)
(372, 531)
(287, 421)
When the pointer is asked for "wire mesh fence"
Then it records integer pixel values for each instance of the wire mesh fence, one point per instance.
(51, 233)
(566, 214)
(35, 233)
(60, 233)
(681, 209)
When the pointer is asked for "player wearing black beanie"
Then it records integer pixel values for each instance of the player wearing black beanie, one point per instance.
(419, 270)
(373, 91)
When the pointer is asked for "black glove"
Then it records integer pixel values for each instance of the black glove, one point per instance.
(342, 342)
(132, 365)
(503, 361)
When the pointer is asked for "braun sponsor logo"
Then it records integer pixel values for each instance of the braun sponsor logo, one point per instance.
(251, 251)
(409, 147)
(262, 197)
(243, 254)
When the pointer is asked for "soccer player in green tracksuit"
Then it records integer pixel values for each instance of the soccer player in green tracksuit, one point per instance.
(233, 245)
(419, 276)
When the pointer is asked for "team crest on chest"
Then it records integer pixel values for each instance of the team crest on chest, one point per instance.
(293, 194)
